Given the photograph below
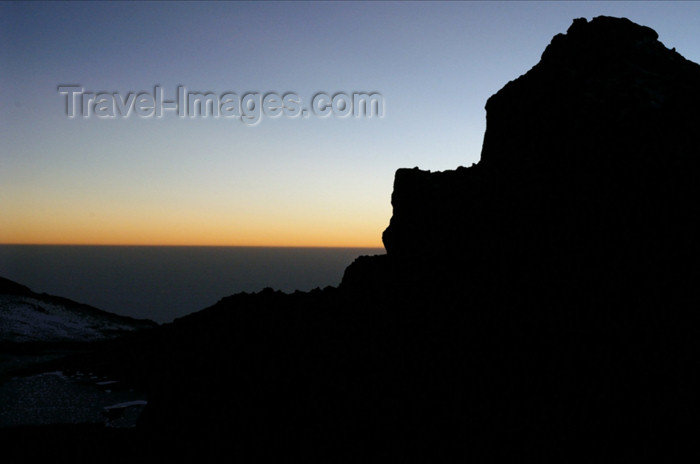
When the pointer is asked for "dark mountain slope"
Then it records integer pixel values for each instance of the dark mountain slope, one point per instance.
(541, 304)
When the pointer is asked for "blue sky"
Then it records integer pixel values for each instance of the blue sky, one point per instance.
(286, 181)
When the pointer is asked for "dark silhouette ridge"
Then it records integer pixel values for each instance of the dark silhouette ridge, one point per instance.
(10, 287)
(538, 306)
(608, 119)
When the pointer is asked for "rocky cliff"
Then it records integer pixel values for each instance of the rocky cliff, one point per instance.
(540, 305)
(590, 162)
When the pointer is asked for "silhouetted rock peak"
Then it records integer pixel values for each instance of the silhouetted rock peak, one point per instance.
(594, 150)
(606, 84)
(604, 35)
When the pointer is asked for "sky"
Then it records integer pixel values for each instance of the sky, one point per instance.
(292, 180)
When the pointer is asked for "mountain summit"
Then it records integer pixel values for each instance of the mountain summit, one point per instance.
(590, 160)
(607, 91)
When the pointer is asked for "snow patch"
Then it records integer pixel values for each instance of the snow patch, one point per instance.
(107, 382)
(126, 404)
(26, 318)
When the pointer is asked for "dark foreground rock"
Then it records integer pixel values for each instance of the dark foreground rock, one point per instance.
(539, 306)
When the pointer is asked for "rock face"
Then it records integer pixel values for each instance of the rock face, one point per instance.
(590, 160)
(540, 305)
(568, 255)
(606, 93)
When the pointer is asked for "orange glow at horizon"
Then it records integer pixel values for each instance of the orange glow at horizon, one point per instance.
(78, 214)
(191, 231)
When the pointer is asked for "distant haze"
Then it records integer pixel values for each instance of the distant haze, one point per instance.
(163, 283)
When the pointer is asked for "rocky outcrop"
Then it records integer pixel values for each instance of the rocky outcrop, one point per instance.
(590, 159)
(540, 305)
(605, 95)
(568, 255)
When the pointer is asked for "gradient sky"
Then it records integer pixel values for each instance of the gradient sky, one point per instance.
(282, 182)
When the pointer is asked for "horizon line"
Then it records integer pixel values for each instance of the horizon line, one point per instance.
(190, 246)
